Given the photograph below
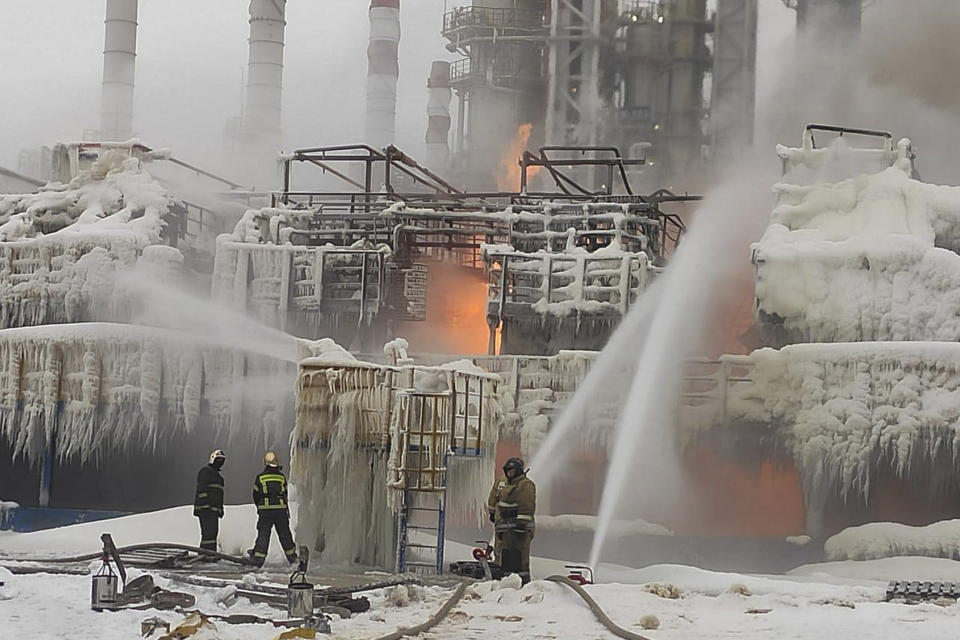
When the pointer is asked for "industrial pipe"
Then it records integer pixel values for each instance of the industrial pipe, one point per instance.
(382, 71)
(119, 63)
(262, 107)
(438, 115)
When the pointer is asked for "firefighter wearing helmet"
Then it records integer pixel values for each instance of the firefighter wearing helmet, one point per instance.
(273, 512)
(208, 500)
(511, 505)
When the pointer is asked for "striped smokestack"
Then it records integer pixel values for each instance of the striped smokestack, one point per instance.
(438, 115)
(119, 63)
(382, 71)
(261, 114)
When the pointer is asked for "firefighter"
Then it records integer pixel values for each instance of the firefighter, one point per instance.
(208, 500)
(270, 496)
(512, 503)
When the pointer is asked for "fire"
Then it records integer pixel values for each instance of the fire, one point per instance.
(508, 173)
(456, 313)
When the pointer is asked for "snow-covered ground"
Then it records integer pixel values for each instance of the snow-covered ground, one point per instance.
(889, 539)
(830, 600)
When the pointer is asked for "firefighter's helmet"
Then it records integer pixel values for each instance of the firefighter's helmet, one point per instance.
(514, 463)
(270, 459)
(217, 454)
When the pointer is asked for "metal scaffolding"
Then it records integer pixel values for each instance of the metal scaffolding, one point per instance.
(573, 108)
(734, 76)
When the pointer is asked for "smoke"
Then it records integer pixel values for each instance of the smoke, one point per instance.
(887, 79)
(189, 83)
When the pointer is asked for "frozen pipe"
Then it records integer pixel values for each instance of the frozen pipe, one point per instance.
(119, 63)
(382, 71)
(261, 114)
(438, 115)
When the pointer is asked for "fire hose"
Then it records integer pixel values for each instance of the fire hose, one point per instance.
(140, 547)
(432, 622)
(604, 619)
(204, 581)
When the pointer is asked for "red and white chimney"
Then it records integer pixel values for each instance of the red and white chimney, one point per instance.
(382, 71)
(438, 115)
(119, 64)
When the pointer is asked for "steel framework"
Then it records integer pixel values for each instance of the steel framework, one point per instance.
(573, 106)
(734, 76)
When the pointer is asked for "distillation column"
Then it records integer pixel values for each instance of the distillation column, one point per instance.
(383, 68)
(119, 64)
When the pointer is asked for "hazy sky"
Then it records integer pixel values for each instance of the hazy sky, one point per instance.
(191, 55)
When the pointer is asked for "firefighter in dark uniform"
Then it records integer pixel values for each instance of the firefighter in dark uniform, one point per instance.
(208, 500)
(511, 505)
(270, 496)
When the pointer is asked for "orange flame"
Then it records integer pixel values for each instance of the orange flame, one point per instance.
(508, 173)
(456, 313)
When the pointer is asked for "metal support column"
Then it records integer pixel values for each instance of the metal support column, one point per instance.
(734, 76)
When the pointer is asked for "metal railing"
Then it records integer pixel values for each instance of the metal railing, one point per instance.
(498, 71)
(536, 282)
(491, 17)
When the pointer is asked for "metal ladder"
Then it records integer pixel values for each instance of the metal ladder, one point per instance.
(429, 505)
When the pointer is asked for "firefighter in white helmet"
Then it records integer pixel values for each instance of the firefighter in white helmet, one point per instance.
(270, 496)
(208, 500)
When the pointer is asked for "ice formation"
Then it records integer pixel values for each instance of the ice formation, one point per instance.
(869, 257)
(891, 539)
(536, 388)
(61, 247)
(91, 388)
(577, 280)
(363, 428)
(283, 285)
(848, 411)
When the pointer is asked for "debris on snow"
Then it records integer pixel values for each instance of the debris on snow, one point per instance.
(8, 590)
(512, 581)
(649, 622)
(663, 590)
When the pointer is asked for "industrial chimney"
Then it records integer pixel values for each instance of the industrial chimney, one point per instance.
(261, 114)
(438, 115)
(119, 62)
(382, 71)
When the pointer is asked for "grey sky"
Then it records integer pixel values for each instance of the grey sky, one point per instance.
(191, 57)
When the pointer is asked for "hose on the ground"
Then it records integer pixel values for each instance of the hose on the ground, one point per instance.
(605, 620)
(138, 547)
(203, 581)
(432, 622)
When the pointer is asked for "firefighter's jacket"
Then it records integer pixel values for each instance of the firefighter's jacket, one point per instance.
(513, 500)
(270, 491)
(209, 494)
